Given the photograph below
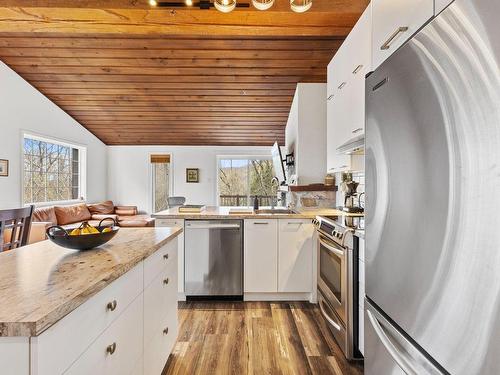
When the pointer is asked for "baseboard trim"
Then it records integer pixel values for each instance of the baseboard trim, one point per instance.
(277, 297)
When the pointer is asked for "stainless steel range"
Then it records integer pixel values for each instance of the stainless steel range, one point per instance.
(338, 279)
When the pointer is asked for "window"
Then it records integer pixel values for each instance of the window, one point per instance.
(240, 180)
(52, 171)
(161, 181)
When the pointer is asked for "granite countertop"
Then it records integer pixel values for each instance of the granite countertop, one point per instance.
(219, 212)
(41, 283)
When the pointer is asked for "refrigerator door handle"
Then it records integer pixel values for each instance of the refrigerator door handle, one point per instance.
(402, 362)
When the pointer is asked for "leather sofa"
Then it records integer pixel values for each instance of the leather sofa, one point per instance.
(72, 216)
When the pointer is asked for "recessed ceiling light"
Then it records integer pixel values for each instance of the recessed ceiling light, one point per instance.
(153, 3)
(225, 6)
(262, 4)
(189, 3)
(300, 6)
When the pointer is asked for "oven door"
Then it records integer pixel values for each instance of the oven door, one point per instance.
(333, 274)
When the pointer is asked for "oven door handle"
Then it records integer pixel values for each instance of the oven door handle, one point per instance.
(334, 250)
(325, 315)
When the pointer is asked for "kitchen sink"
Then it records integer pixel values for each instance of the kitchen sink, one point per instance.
(275, 211)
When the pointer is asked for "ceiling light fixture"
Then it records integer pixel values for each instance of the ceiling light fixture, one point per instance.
(189, 3)
(300, 6)
(225, 6)
(262, 4)
(153, 3)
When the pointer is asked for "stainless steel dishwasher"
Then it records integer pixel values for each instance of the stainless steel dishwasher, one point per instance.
(213, 259)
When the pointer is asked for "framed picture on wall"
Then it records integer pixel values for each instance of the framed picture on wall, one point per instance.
(4, 167)
(192, 175)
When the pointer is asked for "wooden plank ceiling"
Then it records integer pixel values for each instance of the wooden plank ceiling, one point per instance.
(135, 75)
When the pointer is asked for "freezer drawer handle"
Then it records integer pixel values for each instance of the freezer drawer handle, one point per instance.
(325, 315)
(386, 341)
(393, 36)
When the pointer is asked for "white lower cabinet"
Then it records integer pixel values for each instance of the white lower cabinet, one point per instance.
(260, 256)
(118, 349)
(129, 327)
(295, 261)
(278, 256)
(180, 249)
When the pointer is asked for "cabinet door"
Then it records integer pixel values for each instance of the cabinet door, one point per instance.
(295, 255)
(394, 21)
(261, 256)
(336, 134)
(180, 244)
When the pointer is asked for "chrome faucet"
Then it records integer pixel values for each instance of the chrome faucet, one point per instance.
(274, 179)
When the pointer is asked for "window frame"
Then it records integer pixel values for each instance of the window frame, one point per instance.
(236, 157)
(152, 186)
(82, 168)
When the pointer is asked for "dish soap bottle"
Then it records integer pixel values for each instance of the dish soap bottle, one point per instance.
(256, 203)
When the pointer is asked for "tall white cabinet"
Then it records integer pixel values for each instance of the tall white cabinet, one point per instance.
(346, 93)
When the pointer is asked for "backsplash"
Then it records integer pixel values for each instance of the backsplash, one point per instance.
(311, 199)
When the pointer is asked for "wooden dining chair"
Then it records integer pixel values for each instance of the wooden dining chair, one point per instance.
(15, 227)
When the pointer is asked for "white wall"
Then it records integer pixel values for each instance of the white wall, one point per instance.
(23, 108)
(129, 172)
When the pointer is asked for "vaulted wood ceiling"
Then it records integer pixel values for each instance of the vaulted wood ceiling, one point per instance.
(135, 75)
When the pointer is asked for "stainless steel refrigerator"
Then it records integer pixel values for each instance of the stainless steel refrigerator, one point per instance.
(433, 199)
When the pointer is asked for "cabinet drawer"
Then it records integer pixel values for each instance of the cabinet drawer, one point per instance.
(394, 22)
(169, 223)
(159, 299)
(158, 261)
(180, 247)
(159, 347)
(261, 256)
(125, 335)
(60, 345)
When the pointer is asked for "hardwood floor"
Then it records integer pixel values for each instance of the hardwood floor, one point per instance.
(255, 338)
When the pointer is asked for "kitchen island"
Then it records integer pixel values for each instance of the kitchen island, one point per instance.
(86, 312)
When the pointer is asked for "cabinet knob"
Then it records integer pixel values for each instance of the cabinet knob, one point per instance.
(166, 281)
(111, 306)
(165, 256)
(111, 348)
(165, 331)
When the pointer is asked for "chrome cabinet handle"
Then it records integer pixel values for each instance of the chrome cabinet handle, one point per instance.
(111, 348)
(111, 306)
(165, 331)
(325, 315)
(260, 223)
(389, 346)
(393, 36)
(357, 69)
(330, 97)
(356, 130)
(165, 256)
(165, 281)
(341, 86)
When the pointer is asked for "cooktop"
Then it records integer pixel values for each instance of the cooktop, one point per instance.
(354, 222)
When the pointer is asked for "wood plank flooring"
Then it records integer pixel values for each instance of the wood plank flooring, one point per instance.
(255, 338)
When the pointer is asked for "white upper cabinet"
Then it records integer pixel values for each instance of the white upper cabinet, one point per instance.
(439, 5)
(346, 92)
(394, 21)
(295, 256)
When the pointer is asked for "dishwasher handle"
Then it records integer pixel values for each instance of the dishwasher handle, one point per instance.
(213, 226)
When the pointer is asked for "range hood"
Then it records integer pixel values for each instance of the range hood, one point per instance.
(354, 145)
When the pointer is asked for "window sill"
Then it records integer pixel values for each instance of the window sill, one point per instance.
(55, 203)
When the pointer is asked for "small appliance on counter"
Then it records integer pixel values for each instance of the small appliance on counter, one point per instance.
(351, 197)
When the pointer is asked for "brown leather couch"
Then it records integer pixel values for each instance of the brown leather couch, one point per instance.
(72, 216)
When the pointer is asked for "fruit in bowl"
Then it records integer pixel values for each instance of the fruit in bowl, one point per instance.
(85, 237)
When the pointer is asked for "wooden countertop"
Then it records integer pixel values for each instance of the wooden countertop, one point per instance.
(219, 212)
(41, 283)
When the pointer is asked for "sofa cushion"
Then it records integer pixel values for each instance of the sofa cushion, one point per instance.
(45, 214)
(102, 208)
(126, 210)
(72, 214)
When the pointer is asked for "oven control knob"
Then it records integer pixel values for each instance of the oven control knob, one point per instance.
(334, 233)
(339, 235)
